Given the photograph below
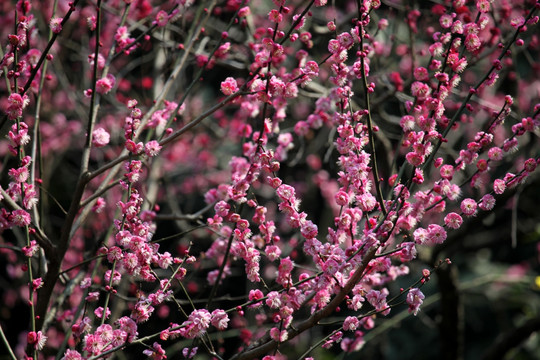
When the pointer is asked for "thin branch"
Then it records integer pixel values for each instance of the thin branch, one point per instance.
(6, 343)
(376, 177)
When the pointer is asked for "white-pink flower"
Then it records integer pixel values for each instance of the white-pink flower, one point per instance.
(351, 323)
(220, 319)
(196, 324)
(436, 234)
(37, 339)
(20, 218)
(100, 137)
(152, 148)
(415, 298)
(468, 206)
(56, 25)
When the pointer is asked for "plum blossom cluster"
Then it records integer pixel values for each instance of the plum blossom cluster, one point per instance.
(226, 166)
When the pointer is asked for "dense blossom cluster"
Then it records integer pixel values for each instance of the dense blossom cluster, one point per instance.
(199, 137)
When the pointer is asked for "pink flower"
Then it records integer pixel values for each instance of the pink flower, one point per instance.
(196, 324)
(72, 355)
(93, 344)
(220, 319)
(414, 158)
(129, 326)
(277, 335)
(468, 206)
(105, 85)
(407, 123)
(378, 300)
(284, 271)
(133, 147)
(420, 236)
(286, 193)
(142, 311)
(162, 18)
(330, 267)
(20, 218)
(342, 198)
(99, 205)
(408, 252)
(447, 172)
(19, 175)
(114, 253)
(420, 90)
(311, 69)
(517, 21)
(91, 22)
(436, 234)
(92, 296)
(100, 137)
(308, 229)
(99, 312)
(123, 38)
(351, 344)
(189, 352)
(37, 283)
(273, 300)
(156, 352)
(15, 105)
(272, 252)
(165, 260)
(255, 295)
(81, 327)
(85, 283)
(222, 208)
(418, 176)
(367, 202)
(15, 99)
(30, 250)
(56, 25)
(101, 60)
(530, 165)
(487, 202)
(37, 339)
(351, 323)
(152, 148)
(275, 16)
(415, 298)
(453, 220)
(472, 42)
(229, 86)
(483, 6)
(499, 186)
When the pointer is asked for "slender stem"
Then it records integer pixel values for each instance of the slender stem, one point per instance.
(108, 295)
(6, 343)
(298, 20)
(94, 100)
(198, 75)
(376, 177)
(221, 270)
